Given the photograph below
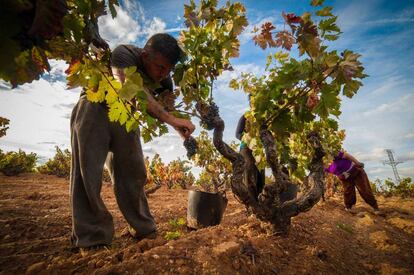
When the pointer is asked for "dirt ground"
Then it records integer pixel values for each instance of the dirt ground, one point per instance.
(35, 225)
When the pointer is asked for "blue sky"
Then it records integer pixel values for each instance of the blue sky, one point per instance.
(381, 115)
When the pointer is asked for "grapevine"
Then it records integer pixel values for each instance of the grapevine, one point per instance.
(294, 107)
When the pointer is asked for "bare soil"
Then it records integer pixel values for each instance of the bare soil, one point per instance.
(35, 225)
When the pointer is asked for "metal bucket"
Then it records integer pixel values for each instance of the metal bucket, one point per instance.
(205, 209)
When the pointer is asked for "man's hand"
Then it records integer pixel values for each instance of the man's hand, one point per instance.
(184, 127)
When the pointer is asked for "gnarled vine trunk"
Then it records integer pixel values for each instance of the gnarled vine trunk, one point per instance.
(268, 206)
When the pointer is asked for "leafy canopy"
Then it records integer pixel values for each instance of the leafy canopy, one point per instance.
(280, 100)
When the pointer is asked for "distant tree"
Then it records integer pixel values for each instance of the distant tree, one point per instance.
(3, 126)
(14, 163)
(405, 188)
(59, 165)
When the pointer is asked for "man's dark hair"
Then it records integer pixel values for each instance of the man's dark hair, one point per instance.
(166, 45)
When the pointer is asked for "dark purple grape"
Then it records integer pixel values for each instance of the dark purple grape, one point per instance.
(207, 120)
(190, 145)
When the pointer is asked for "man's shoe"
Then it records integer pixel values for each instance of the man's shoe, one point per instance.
(84, 251)
(134, 234)
(153, 235)
(349, 210)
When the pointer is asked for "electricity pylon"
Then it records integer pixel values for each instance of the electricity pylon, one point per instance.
(393, 164)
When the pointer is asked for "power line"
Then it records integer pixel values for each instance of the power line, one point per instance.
(391, 161)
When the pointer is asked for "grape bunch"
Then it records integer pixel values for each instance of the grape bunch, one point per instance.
(191, 146)
(208, 117)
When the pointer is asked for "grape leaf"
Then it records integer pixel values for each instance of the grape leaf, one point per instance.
(112, 4)
(326, 11)
(285, 40)
(316, 3)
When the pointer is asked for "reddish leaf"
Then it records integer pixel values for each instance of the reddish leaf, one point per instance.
(285, 40)
(259, 40)
(73, 67)
(265, 37)
(39, 59)
(308, 39)
(73, 74)
(266, 30)
(292, 18)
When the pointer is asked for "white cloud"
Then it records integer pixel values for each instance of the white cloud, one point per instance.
(122, 29)
(156, 25)
(38, 114)
(406, 157)
(402, 104)
(409, 136)
(406, 172)
(358, 15)
(376, 154)
(390, 21)
(391, 85)
(232, 104)
(130, 25)
(226, 76)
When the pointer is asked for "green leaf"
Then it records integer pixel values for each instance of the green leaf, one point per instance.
(331, 59)
(351, 87)
(124, 116)
(282, 124)
(129, 71)
(128, 91)
(326, 11)
(115, 111)
(112, 9)
(234, 84)
(146, 135)
(281, 56)
(73, 27)
(178, 73)
(133, 84)
(329, 103)
(269, 59)
(331, 37)
(131, 125)
(111, 96)
(118, 111)
(329, 27)
(332, 123)
(316, 3)
(98, 96)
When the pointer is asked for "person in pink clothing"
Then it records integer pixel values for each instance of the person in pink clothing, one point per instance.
(352, 175)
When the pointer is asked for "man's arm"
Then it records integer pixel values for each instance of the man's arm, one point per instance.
(156, 110)
(240, 127)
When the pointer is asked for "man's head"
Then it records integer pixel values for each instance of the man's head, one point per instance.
(161, 53)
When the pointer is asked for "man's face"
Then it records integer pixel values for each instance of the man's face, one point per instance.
(156, 65)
